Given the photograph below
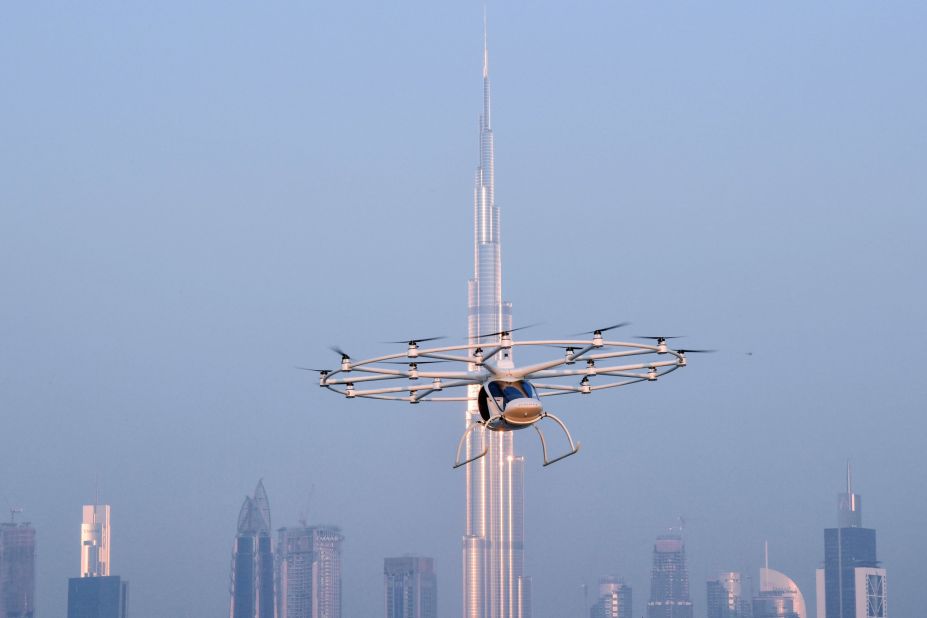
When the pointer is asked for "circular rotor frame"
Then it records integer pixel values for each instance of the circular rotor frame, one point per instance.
(590, 365)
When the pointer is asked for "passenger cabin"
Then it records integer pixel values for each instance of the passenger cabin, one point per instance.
(501, 394)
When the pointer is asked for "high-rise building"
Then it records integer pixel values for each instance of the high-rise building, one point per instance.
(494, 583)
(779, 596)
(523, 597)
(852, 583)
(411, 587)
(669, 579)
(613, 601)
(252, 585)
(725, 597)
(17, 570)
(94, 541)
(309, 572)
(98, 597)
(96, 593)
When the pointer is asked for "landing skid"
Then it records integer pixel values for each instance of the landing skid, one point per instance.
(481, 425)
(574, 446)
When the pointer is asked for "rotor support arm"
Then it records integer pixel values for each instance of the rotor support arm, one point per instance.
(590, 371)
(411, 388)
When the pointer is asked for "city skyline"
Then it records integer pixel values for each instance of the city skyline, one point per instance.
(306, 565)
(197, 199)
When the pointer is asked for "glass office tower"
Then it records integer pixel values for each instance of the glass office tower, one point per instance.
(411, 587)
(98, 597)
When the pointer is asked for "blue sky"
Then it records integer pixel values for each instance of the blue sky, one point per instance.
(194, 199)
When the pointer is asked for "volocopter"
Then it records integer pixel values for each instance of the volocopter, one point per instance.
(510, 397)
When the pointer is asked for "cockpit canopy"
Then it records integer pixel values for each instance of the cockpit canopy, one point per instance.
(504, 392)
(511, 390)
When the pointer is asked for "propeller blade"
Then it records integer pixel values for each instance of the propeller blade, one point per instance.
(696, 351)
(658, 337)
(311, 369)
(602, 330)
(422, 340)
(510, 330)
(338, 350)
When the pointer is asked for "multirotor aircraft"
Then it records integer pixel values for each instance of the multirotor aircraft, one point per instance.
(509, 398)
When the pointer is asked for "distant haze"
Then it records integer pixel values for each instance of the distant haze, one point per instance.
(197, 197)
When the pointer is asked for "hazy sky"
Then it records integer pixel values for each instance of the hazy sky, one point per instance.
(195, 197)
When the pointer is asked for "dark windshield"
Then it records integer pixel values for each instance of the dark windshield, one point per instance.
(509, 391)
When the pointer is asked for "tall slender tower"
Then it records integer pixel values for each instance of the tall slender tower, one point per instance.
(493, 545)
(852, 583)
(252, 585)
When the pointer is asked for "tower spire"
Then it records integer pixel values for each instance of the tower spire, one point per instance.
(485, 44)
(486, 124)
(849, 504)
(764, 572)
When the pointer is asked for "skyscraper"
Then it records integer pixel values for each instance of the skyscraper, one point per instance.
(851, 584)
(669, 579)
(96, 593)
(17, 570)
(494, 585)
(725, 597)
(309, 572)
(94, 541)
(779, 596)
(252, 585)
(411, 587)
(613, 601)
(104, 596)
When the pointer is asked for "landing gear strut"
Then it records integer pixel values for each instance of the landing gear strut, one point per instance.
(481, 427)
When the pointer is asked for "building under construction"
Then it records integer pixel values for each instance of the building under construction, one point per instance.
(17, 570)
(669, 579)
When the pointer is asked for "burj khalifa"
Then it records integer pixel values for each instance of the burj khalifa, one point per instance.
(494, 583)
